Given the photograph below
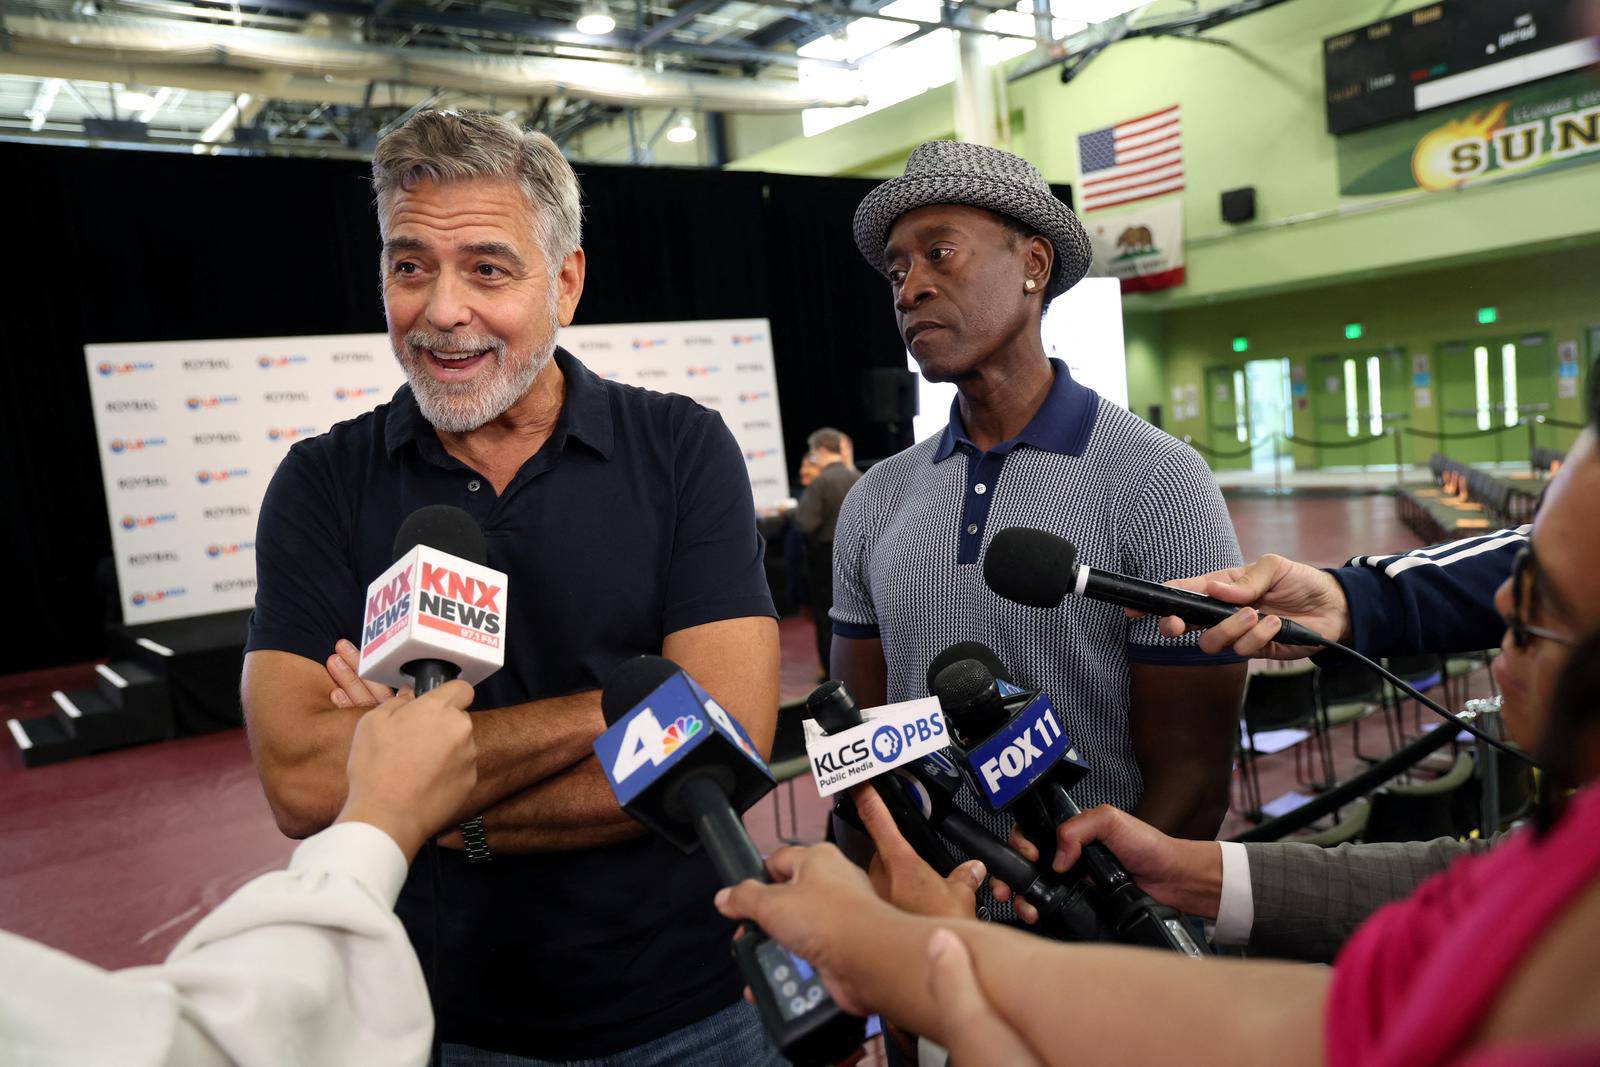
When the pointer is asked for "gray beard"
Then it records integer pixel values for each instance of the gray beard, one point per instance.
(467, 406)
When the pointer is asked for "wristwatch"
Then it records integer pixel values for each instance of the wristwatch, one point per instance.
(477, 844)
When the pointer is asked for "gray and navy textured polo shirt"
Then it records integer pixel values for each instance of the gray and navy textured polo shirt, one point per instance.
(1134, 500)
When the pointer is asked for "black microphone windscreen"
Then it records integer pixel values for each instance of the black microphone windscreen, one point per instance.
(446, 528)
(1030, 566)
(832, 707)
(630, 682)
(961, 683)
(975, 650)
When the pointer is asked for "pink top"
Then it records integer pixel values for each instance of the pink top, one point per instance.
(1413, 985)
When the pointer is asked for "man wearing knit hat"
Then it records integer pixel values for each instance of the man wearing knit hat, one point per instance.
(975, 246)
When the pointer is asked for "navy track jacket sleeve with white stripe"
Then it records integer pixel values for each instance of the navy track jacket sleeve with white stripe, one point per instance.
(1436, 599)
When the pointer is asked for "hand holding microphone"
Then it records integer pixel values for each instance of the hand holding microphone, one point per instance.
(412, 765)
(1186, 875)
(1271, 587)
(1038, 569)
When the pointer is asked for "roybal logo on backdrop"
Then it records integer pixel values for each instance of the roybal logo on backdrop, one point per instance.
(142, 481)
(1539, 127)
(119, 445)
(217, 437)
(208, 363)
(351, 357)
(129, 407)
(139, 522)
(107, 369)
(233, 585)
(200, 403)
(286, 396)
(226, 511)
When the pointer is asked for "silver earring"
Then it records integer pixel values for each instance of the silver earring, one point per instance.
(1028, 285)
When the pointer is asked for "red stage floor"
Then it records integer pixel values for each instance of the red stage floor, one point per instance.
(112, 858)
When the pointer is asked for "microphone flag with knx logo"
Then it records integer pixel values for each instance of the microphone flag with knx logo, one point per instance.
(431, 605)
(1008, 762)
(677, 728)
(891, 736)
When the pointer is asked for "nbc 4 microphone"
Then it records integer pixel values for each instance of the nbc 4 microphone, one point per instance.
(436, 613)
(1038, 569)
(1014, 753)
(680, 764)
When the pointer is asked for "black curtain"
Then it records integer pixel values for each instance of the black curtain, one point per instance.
(147, 246)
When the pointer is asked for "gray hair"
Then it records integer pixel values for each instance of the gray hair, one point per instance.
(446, 146)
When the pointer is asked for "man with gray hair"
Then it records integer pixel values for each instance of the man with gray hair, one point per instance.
(554, 928)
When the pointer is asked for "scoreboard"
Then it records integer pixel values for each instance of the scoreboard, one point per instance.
(1447, 51)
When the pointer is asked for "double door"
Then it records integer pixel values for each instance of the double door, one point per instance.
(1493, 384)
(1355, 401)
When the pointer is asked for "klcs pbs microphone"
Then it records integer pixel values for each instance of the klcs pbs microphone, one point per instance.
(1038, 569)
(680, 764)
(438, 612)
(928, 786)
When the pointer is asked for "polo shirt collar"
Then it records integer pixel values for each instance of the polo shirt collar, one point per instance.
(585, 413)
(1062, 424)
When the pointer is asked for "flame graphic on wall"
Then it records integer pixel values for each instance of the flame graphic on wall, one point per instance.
(1430, 162)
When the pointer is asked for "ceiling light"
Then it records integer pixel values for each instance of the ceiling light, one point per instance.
(135, 98)
(595, 20)
(683, 132)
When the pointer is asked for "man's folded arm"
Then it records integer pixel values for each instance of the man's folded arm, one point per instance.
(301, 742)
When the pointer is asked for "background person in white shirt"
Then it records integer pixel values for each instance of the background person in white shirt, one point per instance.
(304, 966)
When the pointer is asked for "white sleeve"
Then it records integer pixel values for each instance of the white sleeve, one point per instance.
(1236, 911)
(305, 966)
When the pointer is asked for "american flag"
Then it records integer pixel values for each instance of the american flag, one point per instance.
(1132, 160)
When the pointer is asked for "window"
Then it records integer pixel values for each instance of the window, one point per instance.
(1375, 395)
(1480, 372)
(1508, 367)
(1241, 424)
(1352, 402)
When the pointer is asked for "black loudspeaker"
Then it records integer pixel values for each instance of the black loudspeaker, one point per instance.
(1239, 205)
(891, 394)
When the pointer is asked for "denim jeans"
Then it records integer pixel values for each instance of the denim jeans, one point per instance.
(733, 1037)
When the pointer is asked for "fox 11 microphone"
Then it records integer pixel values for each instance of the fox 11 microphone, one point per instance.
(437, 613)
(682, 766)
(1017, 758)
(927, 786)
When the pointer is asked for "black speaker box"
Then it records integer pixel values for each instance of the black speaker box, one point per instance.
(891, 394)
(1239, 205)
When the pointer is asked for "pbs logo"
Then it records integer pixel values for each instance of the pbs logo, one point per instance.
(887, 744)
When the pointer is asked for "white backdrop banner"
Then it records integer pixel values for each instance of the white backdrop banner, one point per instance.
(191, 432)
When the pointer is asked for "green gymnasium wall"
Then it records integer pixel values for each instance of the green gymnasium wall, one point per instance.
(1413, 270)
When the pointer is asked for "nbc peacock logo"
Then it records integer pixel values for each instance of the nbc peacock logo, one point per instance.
(681, 730)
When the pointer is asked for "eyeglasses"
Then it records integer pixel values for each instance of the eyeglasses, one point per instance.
(1524, 575)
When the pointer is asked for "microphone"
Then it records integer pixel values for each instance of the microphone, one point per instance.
(1038, 569)
(688, 781)
(975, 650)
(436, 613)
(835, 710)
(1015, 752)
(921, 797)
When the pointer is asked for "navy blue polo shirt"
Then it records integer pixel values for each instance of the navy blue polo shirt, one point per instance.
(633, 521)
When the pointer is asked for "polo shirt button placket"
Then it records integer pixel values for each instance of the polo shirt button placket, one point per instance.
(474, 485)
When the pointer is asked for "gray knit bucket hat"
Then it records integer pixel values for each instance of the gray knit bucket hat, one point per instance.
(953, 172)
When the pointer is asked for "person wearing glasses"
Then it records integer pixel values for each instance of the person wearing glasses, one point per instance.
(1300, 901)
(1490, 962)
